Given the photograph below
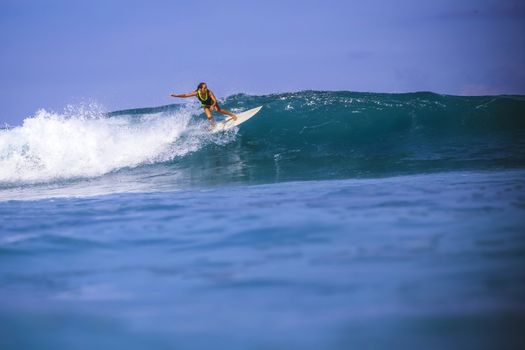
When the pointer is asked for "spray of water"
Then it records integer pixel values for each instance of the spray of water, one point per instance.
(83, 142)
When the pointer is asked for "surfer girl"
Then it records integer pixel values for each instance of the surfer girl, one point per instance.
(208, 100)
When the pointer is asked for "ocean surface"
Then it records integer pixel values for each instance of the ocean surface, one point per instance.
(331, 220)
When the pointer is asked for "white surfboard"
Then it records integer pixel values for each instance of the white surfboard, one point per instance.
(241, 118)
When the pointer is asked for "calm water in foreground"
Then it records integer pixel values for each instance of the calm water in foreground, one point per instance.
(428, 261)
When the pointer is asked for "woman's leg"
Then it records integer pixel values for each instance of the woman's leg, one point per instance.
(223, 111)
(208, 114)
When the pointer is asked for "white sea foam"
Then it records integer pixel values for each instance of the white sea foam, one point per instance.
(83, 142)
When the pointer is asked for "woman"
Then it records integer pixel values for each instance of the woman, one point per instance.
(208, 100)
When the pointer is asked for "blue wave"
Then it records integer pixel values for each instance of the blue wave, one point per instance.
(315, 135)
(309, 135)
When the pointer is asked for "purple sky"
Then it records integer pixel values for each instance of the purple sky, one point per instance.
(126, 54)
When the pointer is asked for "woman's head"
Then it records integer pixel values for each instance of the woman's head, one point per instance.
(202, 86)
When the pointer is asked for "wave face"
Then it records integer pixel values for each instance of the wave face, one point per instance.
(307, 135)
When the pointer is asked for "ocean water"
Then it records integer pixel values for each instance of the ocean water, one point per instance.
(331, 220)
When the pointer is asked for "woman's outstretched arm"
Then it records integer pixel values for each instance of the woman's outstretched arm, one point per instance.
(190, 94)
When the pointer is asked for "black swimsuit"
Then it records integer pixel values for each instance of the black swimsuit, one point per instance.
(206, 100)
